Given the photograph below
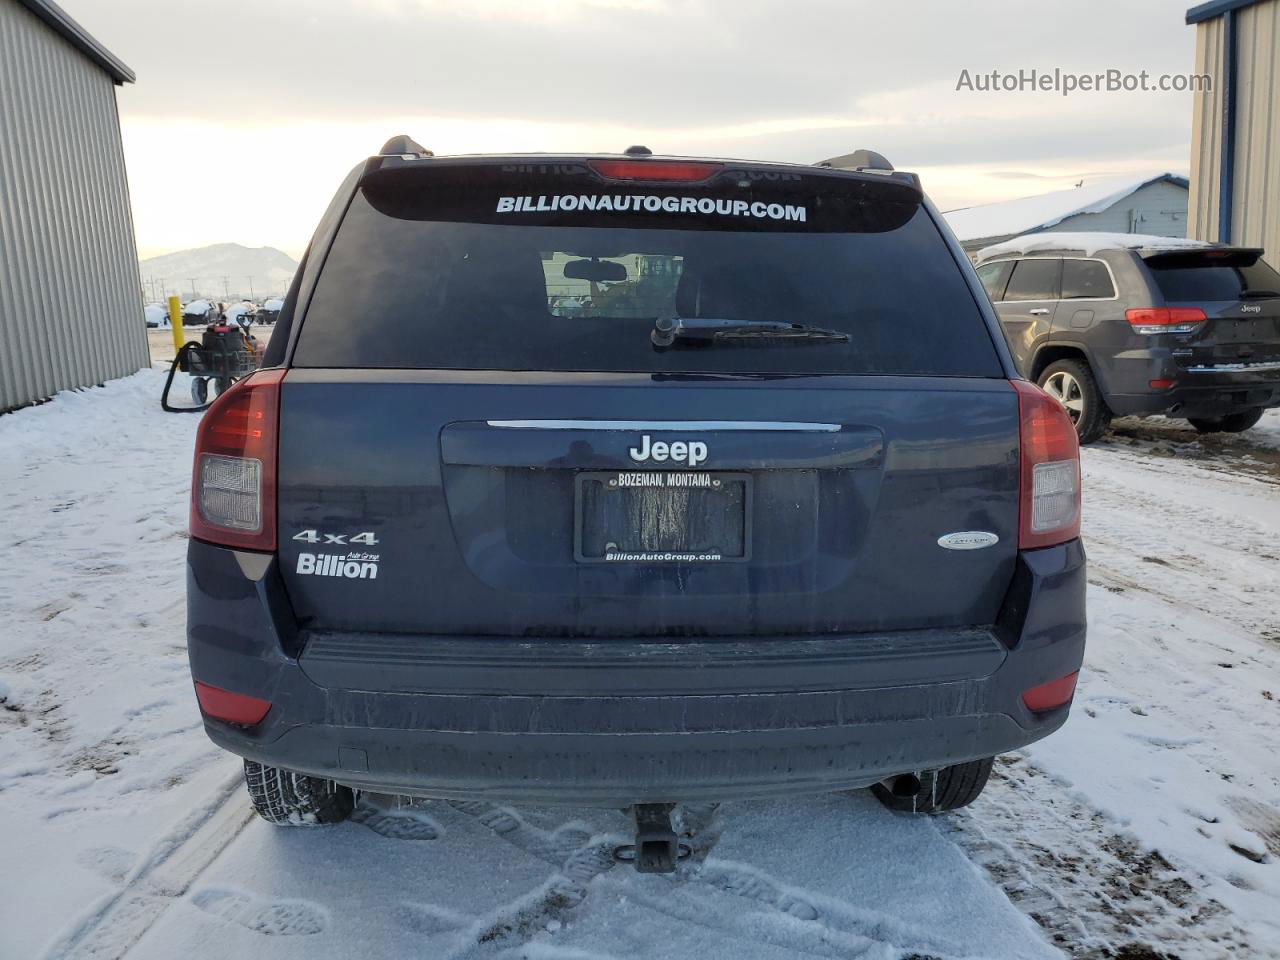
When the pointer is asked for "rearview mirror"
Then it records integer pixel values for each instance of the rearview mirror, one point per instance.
(597, 271)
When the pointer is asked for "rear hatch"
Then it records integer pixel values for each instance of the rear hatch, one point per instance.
(1240, 296)
(615, 398)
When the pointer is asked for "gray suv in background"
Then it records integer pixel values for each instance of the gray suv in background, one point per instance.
(1122, 325)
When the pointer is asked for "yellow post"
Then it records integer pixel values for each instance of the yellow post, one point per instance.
(175, 320)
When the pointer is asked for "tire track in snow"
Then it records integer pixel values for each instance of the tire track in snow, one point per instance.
(118, 922)
(1092, 889)
(736, 900)
(1196, 565)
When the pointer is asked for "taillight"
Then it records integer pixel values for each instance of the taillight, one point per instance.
(1049, 508)
(669, 170)
(237, 708)
(1149, 320)
(1051, 695)
(233, 490)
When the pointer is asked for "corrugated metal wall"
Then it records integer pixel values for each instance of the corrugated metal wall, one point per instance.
(1255, 210)
(70, 300)
(1255, 217)
(1206, 134)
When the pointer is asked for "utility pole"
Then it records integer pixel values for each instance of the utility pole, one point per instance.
(251, 288)
(193, 287)
(226, 290)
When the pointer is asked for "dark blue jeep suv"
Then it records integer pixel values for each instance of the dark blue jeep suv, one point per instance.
(629, 480)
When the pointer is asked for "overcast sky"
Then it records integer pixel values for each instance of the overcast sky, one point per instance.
(247, 113)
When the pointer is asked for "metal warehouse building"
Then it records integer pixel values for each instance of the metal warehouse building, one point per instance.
(1235, 133)
(70, 300)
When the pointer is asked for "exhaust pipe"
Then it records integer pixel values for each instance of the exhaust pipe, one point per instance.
(903, 786)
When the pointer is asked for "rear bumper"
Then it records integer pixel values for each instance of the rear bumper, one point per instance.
(1199, 391)
(615, 722)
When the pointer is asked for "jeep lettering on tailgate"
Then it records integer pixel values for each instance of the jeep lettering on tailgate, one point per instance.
(692, 453)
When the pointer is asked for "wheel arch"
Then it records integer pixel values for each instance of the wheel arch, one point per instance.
(1057, 350)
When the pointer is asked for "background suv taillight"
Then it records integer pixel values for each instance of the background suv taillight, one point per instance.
(233, 489)
(1049, 509)
(1152, 320)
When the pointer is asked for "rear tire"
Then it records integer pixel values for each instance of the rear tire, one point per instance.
(294, 799)
(941, 790)
(1073, 384)
(1231, 423)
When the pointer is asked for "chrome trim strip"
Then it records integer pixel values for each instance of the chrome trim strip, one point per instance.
(774, 425)
(1236, 367)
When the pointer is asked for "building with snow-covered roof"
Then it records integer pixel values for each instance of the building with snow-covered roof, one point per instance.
(1154, 204)
(70, 301)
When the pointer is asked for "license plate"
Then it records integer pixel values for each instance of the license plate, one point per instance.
(662, 516)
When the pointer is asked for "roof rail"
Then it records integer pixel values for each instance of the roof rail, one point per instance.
(858, 160)
(403, 145)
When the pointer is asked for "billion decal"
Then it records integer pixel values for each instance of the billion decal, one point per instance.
(335, 565)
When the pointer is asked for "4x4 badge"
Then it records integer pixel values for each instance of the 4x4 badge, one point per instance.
(968, 540)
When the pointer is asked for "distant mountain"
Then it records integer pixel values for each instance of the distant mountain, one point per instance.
(270, 270)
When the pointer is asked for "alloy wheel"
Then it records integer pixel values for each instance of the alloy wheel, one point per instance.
(1065, 388)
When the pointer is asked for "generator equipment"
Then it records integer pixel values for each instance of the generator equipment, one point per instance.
(225, 353)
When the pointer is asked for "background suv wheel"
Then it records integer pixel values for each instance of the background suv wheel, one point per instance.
(1231, 423)
(1073, 385)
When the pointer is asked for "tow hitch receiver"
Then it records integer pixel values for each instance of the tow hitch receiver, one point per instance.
(657, 848)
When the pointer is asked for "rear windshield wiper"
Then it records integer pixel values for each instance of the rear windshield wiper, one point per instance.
(1258, 294)
(667, 330)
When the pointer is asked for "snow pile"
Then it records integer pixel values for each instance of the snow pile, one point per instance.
(197, 308)
(1046, 209)
(273, 303)
(1090, 243)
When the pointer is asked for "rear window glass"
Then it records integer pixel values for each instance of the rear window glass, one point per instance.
(994, 276)
(1201, 278)
(490, 268)
(1086, 280)
(1034, 280)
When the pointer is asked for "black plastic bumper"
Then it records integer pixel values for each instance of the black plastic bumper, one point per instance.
(614, 722)
(1198, 391)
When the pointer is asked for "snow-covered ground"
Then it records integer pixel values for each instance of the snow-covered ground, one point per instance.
(1149, 827)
